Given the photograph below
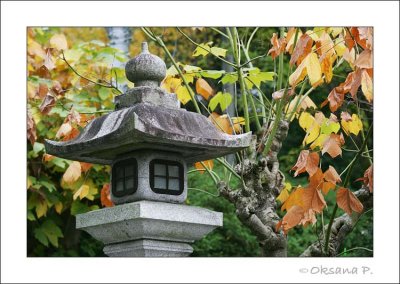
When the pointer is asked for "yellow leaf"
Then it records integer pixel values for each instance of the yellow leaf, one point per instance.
(203, 88)
(171, 84)
(353, 126)
(302, 102)
(335, 31)
(340, 47)
(82, 192)
(58, 206)
(41, 208)
(284, 193)
(310, 125)
(366, 85)
(183, 94)
(237, 121)
(313, 69)
(59, 42)
(298, 74)
(209, 164)
(64, 130)
(319, 142)
(72, 173)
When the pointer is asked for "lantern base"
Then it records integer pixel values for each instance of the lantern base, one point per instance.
(148, 228)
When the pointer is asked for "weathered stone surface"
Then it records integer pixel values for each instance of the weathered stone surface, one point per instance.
(144, 191)
(146, 69)
(145, 126)
(145, 94)
(148, 220)
(148, 248)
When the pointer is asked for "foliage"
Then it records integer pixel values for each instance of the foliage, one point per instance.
(319, 79)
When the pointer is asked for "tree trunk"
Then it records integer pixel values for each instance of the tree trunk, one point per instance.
(255, 199)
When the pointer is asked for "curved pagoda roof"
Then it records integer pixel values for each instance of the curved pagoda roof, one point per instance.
(148, 118)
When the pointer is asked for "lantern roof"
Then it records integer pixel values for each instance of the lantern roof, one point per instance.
(147, 117)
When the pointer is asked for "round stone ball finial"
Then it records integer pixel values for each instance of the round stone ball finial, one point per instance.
(146, 69)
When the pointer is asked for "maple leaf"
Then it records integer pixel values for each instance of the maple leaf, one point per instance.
(278, 46)
(352, 83)
(302, 49)
(43, 72)
(298, 74)
(171, 84)
(366, 85)
(203, 88)
(82, 192)
(85, 166)
(43, 90)
(303, 102)
(331, 175)
(64, 130)
(335, 99)
(105, 196)
(325, 46)
(292, 218)
(327, 186)
(48, 61)
(285, 192)
(367, 179)
(306, 162)
(352, 126)
(294, 199)
(209, 164)
(47, 104)
(308, 218)
(313, 69)
(310, 125)
(345, 116)
(347, 201)
(59, 42)
(183, 94)
(225, 124)
(73, 173)
(221, 99)
(364, 59)
(326, 67)
(313, 199)
(31, 129)
(332, 145)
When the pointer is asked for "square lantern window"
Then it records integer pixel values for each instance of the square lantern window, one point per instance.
(124, 178)
(166, 177)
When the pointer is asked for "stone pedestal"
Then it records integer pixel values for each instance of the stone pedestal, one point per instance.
(149, 228)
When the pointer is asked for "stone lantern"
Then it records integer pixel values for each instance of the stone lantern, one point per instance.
(149, 141)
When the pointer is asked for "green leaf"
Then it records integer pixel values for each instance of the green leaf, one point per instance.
(59, 162)
(60, 111)
(203, 49)
(50, 228)
(80, 108)
(73, 55)
(229, 78)
(257, 77)
(41, 236)
(191, 68)
(104, 93)
(223, 99)
(78, 208)
(31, 216)
(328, 127)
(38, 147)
(218, 51)
(213, 74)
(47, 184)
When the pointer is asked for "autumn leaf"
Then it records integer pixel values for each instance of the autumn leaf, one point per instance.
(306, 162)
(58, 207)
(85, 166)
(331, 175)
(64, 130)
(366, 85)
(58, 41)
(204, 89)
(225, 124)
(43, 90)
(345, 116)
(364, 59)
(209, 164)
(352, 83)
(82, 192)
(352, 126)
(310, 125)
(291, 219)
(48, 61)
(72, 173)
(295, 199)
(298, 75)
(31, 129)
(313, 69)
(303, 103)
(335, 99)
(302, 49)
(171, 84)
(367, 179)
(325, 46)
(47, 104)
(347, 201)
(313, 199)
(332, 145)
(284, 194)
(105, 197)
(278, 46)
(43, 72)
(326, 67)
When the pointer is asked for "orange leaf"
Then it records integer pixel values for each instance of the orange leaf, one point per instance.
(292, 218)
(105, 197)
(316, 179)
(302, 49)
(295, 198)
(64, 130)
(352, 83)
(209, 165)
(306, 162)
(43, 72)
(85, 166)
(313, 199)
(203, 88)
(31, 129)
(332, 145)
(71, 135)
(364, 59)
(335, 99)
(48, 157)
(72, 173)
(43, 90)
(327, 186)
(368, 178)
(326, 67)
(222, 123)
(346, 116)
(332, 176)
(278, 46)
(347, 201)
